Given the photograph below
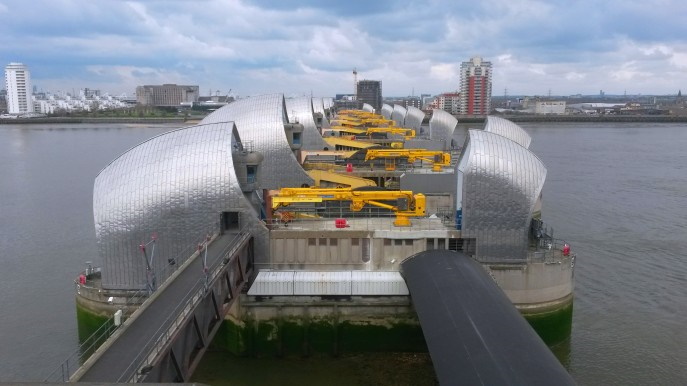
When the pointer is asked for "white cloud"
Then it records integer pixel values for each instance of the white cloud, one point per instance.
(577, 47)
(444, 71)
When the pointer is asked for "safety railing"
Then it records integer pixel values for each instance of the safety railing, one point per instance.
(376, 219)
(128, 302)
(550, 250)
(159, 340)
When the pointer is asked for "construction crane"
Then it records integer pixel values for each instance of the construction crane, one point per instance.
(438, 159)
(407, 203)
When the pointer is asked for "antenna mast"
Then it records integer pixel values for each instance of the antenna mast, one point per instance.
(355, 83)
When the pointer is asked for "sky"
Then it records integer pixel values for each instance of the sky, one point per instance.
(310, 47)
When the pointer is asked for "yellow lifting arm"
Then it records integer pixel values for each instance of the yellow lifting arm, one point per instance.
(406, 133)
(438, 159)
(407, 203)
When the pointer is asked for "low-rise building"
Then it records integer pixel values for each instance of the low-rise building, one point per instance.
(167, 95)
(549, 107)
(449, 102)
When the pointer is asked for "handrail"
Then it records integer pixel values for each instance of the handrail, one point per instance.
(167, 329)
(86, 348)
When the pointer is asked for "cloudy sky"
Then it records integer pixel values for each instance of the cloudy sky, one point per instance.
(301, 47)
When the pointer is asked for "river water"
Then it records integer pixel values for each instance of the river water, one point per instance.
(616, 192)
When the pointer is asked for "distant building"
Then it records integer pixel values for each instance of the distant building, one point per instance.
(475, 87)
(18, 84)
(167, 95)
(549, 107)
(370, 92)
(90, 93)
(405, 102)
(449, 102)
(346, 102)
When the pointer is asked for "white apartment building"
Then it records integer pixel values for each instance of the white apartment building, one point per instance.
(449, 102)
(18, 86)
(52, 103)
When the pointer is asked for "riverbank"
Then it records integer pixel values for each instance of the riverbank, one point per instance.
(581, 118)
(70, 120)
(461, 119)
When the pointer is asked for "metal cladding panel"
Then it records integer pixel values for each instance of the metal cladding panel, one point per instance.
(399, 115)
(501, 182)
(508, 129)
(260, 120)
(268, 283)
(441, 126)
(300, 110)
(322, 283)
(414, 117)
(377, 283)
(318, 107)
(174, 185)
(368, 108)
(386, 111)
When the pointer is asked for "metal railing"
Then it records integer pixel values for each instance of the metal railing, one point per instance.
(132, 300)
(159, 340)
(375, 220)
(549, 250)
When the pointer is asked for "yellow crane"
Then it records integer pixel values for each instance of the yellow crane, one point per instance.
(438, 159)
(405, 132)
(407, 203)
(368, 131)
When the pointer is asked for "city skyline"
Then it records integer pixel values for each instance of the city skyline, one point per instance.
(299, 47)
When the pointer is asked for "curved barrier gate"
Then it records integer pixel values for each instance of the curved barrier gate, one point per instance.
(474, 333)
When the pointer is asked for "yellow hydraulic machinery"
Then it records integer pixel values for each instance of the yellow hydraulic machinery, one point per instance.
(347, 144)
(363, 122)
(323, 177)
(368, 131)
(407, 203)
(438, 159)
(405, 132)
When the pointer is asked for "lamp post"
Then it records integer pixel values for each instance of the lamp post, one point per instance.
(150, 273)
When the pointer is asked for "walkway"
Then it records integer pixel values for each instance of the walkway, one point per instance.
(115, 361)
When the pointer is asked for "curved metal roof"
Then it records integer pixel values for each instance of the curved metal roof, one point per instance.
(174, 185)
(507, 129)
(318, 107)
(499, 184)
(441, 126)
(414, 117)
(260, 121)
(399, 115)
(300, 110)
(367, 107)
(386, 111)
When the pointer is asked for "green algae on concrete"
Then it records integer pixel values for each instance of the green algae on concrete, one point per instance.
(88, 324)
(553, 326)
(383, 368)
(297, 336)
